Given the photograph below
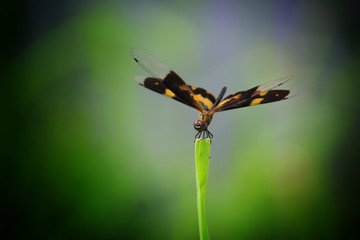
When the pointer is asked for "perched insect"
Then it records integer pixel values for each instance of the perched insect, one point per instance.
(168, 83)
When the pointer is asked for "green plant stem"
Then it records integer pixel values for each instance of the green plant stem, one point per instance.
(202, 157)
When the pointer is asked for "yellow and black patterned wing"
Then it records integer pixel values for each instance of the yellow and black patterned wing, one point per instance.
(166, 82)
(257, 95)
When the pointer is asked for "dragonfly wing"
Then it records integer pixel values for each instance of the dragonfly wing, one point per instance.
(150, 64)
(257, 95)
(166, 82)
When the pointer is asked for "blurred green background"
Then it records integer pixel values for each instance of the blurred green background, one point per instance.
(88, 153)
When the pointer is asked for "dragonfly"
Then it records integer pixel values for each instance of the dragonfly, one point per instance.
(166, 82)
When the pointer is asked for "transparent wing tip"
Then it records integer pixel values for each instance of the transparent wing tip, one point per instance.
(283, 80)
(274, 83)
(292, 95)
(140, 79)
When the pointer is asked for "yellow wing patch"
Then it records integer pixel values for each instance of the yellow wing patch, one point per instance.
(256, 101)
(169, 93)
(226, 101)
(204, 100)
(263, 93)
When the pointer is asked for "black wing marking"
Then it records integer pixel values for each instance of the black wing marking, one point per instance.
(257, 95)
(168, 83)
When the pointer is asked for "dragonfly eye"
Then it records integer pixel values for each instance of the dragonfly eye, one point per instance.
(200, 125)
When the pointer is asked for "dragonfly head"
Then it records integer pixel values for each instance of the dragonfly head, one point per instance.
(200, 125)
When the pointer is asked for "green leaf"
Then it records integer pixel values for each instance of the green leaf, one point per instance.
(202, 157)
